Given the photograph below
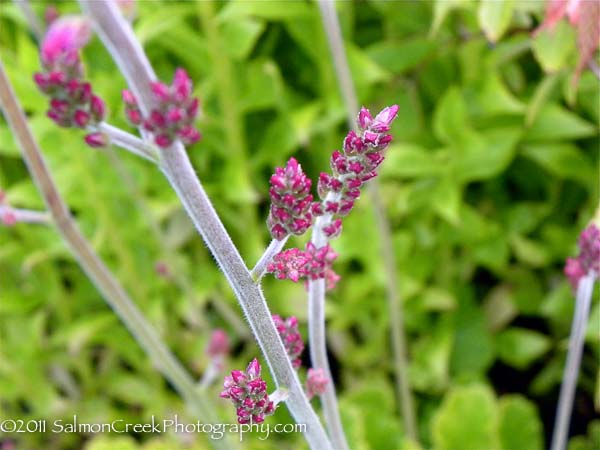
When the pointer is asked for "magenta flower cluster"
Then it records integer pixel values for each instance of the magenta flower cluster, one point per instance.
(174, 116)
(316, 382)
(72, 101)
(292, 340)
(353, 166)
(291, 201)
(248, 392)
(293, 209)
(312, 263)
(588, 259)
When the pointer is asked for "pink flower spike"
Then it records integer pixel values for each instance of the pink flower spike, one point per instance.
(67, 34)
(574, 271)
(248, 393)
(218, 345)
(96, 140)
(163, 140)
(292, 340)
(316, 382)
(588, 259)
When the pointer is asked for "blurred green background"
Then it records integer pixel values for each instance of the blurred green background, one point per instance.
(492, 175)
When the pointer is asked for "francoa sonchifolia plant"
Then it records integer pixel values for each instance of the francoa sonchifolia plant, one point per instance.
(165, 116)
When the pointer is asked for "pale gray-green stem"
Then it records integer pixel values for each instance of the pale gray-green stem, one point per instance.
(99, 274)
(26, 215)
(583, 300)
(127, 141)
(336, 46)
(261, 266)
(119, 39)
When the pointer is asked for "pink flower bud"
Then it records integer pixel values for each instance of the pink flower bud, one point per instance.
(364, 118)
(160, 91)
(81, 118)
(97, 108)
(163, 140)
(67, 34)
(316, 382)
(9, 218)
(96, 140)
(218, 345)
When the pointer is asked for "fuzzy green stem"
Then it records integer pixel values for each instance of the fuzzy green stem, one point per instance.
(583, 301)
(99, 274)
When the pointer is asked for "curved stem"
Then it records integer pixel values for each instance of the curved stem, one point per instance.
(571, 373)
(25, 215)
(99, 274)
(119, 39)
(127, 141)
(261, 266)
(336, 45)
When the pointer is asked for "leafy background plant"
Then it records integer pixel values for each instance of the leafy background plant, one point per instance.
(493, 173)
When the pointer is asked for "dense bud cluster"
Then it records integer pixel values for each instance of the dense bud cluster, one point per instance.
(588, 259)
(316, 382)
(72, 101)
(248, 392)
(291, 201)
(174, 116)
(312, 263)
(352, 167)
(292, 340)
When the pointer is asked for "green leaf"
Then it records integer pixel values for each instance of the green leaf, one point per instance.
(495, 99)
(467, 419)
(111, 443)
(450, 120)
(542, 93)
(240, 35)
(441, 8)
(561, 160)
(410, 160)
(279, 10)
(399, 57)
(554, 47)
(555, 122)
(494, 17)
(487, 157)
(520, 426)
(520, 347)
(446, 200)
(529, 251)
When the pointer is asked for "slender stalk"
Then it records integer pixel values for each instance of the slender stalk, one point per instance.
(336, 46)
(95, 269)
(128, 141)
(569, 383)
(35, 25)
(261, 266)
(119, 39)
(26, 215)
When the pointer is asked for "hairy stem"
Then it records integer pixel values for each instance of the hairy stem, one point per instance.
(571, 374)
(99, 274)
(336, 46)
(128, 141)
(119, 39)
(261, 266)
(26, 215)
